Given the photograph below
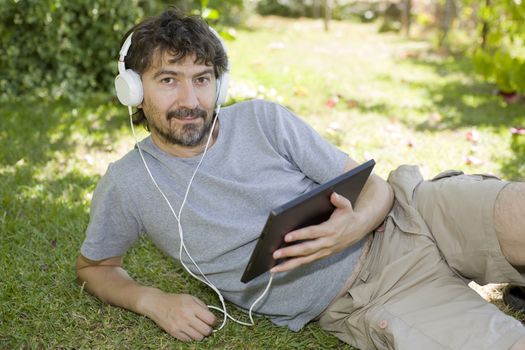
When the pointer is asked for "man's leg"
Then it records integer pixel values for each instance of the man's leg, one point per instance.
(509, 221)
(406, 295)
(476, 216)
(461, 211)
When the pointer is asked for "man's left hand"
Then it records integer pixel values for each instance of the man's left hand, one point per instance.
(343, 229)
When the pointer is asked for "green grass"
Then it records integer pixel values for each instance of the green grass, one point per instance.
(406, 105)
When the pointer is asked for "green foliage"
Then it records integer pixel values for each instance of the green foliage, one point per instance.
(503, 68)
(61, 48)
(222, 12)
(284, 8)
(501, 58)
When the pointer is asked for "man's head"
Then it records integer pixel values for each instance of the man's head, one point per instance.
(179, 60)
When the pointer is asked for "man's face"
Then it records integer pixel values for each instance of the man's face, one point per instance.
(179, 99)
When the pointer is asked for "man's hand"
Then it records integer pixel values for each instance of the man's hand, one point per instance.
(180, 315)
(343, 229)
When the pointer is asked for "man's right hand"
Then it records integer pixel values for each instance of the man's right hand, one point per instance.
(180, 315)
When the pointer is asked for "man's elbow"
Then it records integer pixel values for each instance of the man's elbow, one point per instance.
(80, 265)
(390, 196)
(385, 190)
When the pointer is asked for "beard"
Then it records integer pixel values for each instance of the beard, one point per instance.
(187, 134)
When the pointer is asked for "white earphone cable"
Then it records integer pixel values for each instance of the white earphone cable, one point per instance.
(182, 247)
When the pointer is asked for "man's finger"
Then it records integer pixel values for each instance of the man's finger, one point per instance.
(181, 336)
(299, 249)
(194, 333)
(296, 262)
(305, 233)
(198, 301)
(340, 202)
(206, 316)
(202, 328)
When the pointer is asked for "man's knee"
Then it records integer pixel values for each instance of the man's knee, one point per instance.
(509, 221)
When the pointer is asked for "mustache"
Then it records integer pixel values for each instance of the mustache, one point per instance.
(187, 112)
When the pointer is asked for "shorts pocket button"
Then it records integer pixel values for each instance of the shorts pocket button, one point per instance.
(383, 324)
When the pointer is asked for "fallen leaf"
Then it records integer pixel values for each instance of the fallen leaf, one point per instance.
(472, 136)
(409, 54)
(351, 103)
(435, 117)
(331, 102)
(470, 160)
(300, 91)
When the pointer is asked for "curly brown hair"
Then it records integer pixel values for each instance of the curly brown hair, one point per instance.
(177, 34)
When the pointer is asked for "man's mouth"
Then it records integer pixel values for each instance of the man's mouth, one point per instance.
(186, 114)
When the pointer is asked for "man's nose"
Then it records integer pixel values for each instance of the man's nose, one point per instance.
(188, 96)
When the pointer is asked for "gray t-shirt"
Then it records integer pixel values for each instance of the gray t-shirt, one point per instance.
(263, 157)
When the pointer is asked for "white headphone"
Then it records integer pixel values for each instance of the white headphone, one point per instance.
(129, 85)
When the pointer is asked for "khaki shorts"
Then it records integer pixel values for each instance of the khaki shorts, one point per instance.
(410, 294)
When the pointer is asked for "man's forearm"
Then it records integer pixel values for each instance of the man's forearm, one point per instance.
(112, 284)
(183, 316)
(375, 202)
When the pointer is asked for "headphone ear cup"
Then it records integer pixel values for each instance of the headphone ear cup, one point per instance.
(129, 88)
(223, 82)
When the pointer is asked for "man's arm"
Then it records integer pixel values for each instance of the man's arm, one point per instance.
(345, 227)
(183, 316)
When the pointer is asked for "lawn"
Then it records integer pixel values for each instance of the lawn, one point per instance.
(374, 96)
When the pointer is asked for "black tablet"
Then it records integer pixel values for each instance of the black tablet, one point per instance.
(311, 208)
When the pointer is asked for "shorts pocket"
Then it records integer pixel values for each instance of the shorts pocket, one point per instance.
(379, 330)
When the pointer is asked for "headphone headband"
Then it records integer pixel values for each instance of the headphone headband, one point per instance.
(128, 84)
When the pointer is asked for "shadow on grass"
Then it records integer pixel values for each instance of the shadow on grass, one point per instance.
(44, 201)
(464, 101)
(514, 167)
(40, 140)
(33, 129)
(461, 100)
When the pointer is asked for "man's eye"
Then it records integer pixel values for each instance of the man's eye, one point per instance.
(167, 80)
(203, 80)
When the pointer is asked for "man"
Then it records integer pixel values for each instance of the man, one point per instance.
(402, 286)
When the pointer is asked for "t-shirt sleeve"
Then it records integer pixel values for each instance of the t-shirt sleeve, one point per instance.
(114, 224)
(301, 145)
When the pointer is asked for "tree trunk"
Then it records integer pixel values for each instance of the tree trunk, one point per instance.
(405, 16)
(485, 29)
(317, 9)
(327, 14)
(446, 20)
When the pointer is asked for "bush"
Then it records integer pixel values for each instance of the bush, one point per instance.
(284, 8)
(60, 48)
(501, 58)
